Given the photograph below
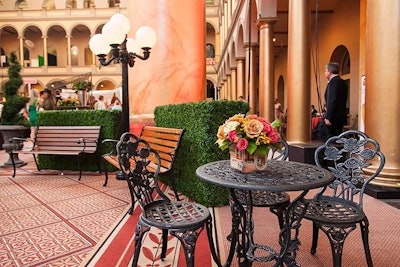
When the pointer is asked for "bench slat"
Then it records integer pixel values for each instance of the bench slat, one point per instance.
(63, 140)
(164, 140)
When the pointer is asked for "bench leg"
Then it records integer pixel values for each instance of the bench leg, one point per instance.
(80, 168)
(36, 162)
(105, 171)
(13, 163)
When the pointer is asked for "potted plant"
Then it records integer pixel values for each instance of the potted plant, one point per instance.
(13, 123)
(81, 88)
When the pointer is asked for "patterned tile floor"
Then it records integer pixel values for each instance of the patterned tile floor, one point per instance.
(47, 219)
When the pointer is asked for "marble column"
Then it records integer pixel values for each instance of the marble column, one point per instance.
(69, 60)
(21, 49)
(382, 118)
(234, 94)
(240, 76)
(175, 71)
(266, 61)
(45, 49)
(250, 83)
(299, 66)
(228, 87)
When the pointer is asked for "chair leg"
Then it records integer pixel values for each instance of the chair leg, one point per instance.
(364, 234)
(164, 244)
(211, 242)
(337, 235)
(141, 229)
(188, 240)
(314, 244)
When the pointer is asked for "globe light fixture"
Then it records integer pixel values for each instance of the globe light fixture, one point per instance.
(124, 50)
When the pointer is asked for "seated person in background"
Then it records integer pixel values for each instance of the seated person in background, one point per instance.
(100, 104)
(48, 100)
(117, 105)
(314, 112)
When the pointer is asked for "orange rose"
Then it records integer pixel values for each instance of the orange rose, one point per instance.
(253, 128)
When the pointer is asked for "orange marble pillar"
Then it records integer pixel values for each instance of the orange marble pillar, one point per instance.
(233, 84)
(228, 87)
(250, 83)
(266, 61)
(299, 66)
(240, 76)
(383, 85)
(175, 71)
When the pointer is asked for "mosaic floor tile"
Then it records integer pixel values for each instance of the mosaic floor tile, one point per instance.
(19, 201)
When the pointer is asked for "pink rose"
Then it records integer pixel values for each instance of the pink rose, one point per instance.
(267, 128)
(274, 136)
(242, 144)
(232, 136)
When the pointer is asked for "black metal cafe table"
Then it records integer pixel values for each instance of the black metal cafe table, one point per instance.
(280, 176)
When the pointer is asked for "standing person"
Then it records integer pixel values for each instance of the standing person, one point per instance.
(92, 100)
(48, 100)
(278, 110)
(32, 110)
(58, 96)
(314, 112)
(335, 98)
(100, 104)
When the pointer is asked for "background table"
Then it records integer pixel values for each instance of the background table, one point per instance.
(280, 176)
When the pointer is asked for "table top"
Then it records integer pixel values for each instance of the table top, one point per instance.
(280, 176)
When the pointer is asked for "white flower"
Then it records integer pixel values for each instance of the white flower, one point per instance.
(230, 126)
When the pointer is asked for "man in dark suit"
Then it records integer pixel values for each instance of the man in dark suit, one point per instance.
(335, 98)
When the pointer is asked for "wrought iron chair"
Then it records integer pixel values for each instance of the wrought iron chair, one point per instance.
(184, 220)
(277, 202)
(355, 160)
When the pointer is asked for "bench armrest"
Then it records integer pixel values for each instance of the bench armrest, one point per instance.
(85, 141)
(19, 140)
(113, 151)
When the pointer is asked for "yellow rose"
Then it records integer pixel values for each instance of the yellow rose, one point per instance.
(221, 134)
(253, 128)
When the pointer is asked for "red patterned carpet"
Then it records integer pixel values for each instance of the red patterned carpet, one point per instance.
(48, 219)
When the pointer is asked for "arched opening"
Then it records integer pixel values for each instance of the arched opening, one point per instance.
(341, 55)
(210, 90)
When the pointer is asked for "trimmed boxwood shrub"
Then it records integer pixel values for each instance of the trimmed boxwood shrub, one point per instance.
(200, 121)
(110, 122)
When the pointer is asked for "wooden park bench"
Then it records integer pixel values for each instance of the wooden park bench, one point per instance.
(164, 140)
(61, 140)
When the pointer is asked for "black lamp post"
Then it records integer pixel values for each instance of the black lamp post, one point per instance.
(124, 50)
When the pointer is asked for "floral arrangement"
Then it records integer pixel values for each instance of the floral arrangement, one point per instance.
(251, 133)
(68, 102)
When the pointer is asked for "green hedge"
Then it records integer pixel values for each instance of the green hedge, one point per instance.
(110, 122)
(201, 121)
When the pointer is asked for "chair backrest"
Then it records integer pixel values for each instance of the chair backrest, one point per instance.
(354, 159)
(281, 152)
(141, 166)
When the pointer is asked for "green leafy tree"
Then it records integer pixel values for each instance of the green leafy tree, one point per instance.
(14, 103)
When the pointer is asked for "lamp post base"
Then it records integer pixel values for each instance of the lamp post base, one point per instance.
(120, 175)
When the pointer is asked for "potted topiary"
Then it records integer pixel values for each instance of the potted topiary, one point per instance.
(13, 123)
